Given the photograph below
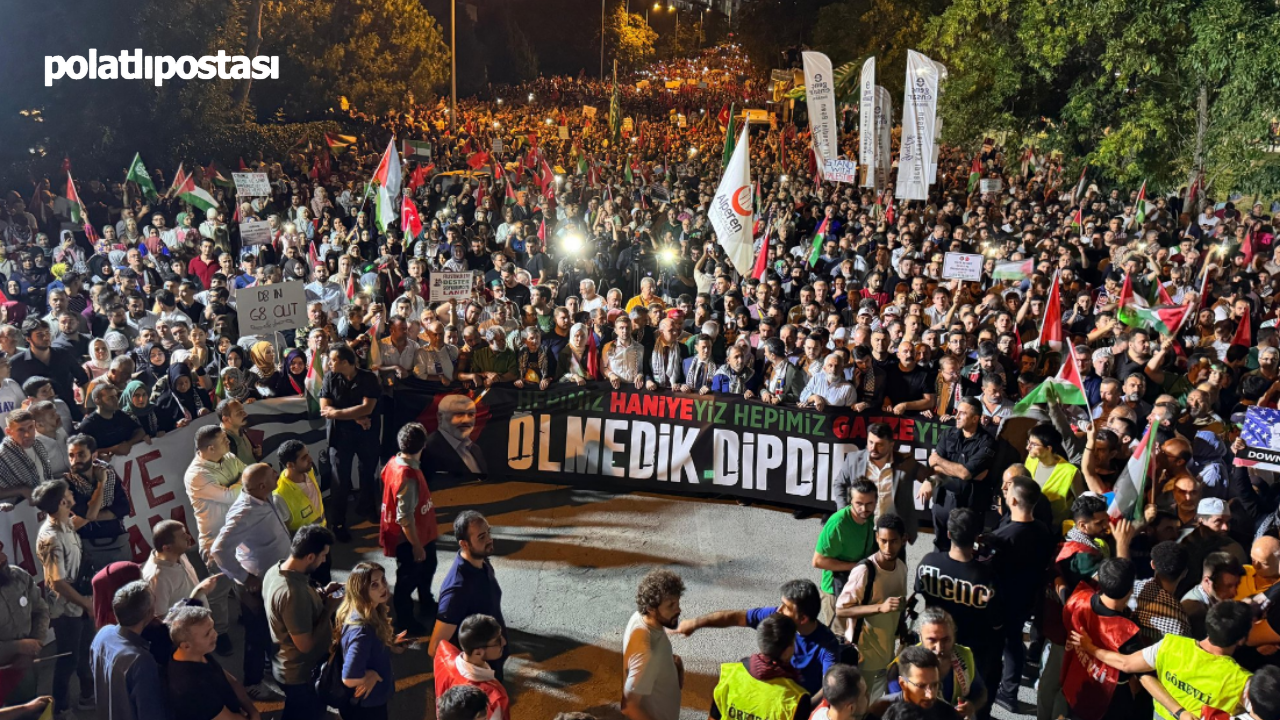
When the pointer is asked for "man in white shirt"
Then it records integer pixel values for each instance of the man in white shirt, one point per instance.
(139, 318)
(398, 350)
(591, 300)
(829, 388)
(212, 482)
(328, 293)
(654, 674)
(171, 576)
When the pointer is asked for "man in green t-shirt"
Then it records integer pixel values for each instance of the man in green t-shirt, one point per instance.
(846, 539)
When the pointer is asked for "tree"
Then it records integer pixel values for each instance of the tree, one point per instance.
(856, 30)
(628, 37)
(375, 52)
(1143, 89)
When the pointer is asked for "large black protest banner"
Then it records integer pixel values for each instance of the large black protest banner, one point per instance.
(600, 437)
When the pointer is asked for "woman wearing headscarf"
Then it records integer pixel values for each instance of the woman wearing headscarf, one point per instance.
(291, 380)
(578, 361)
(152, 362)
(181, 402)
(137, 402)
(264, 370)
(99, 358)
(233, 385)
(70, 254)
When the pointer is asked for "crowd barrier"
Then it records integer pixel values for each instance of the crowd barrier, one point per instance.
(591, 436)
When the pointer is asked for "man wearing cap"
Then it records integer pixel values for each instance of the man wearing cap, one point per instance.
(1209, 536)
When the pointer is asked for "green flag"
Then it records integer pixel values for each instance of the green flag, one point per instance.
(138, 173)
(729, 139)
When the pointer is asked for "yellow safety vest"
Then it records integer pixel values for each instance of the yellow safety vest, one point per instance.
(1058, 487)
(301, 511)
(742, 697)
(1196, 678)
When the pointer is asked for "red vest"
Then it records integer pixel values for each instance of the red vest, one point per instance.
(390, 534)
(1086, 683)
(447, 675)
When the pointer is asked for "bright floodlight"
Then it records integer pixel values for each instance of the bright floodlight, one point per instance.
(530, 97)
(571, 244)
(667, 256)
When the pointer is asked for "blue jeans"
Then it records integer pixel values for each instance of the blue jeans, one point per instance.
(301, 702)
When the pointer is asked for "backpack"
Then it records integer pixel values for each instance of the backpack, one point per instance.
(327, 677)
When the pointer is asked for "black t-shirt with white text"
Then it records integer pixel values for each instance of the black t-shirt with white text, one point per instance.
(967, 590)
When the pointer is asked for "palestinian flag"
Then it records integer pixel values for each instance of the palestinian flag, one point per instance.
(1077, 220)
(1077, 193)
(1029, 165)
(1164, 320)
(582, 163)
(138, 174)
(314, 383)
(759, 199)
(388, 173)
(178, 176)
(385, 210)
(1066, 387)
(78, 214)
(188, 191)
(729, 138)
(818, 238)
(1014, 270)
(212, 174)
(416, 148)
(1140, 207)
(1051, 336)
(1158, 295)
(1131, 487)
(410, 221)
(626, 171)
(975, 174)
(762, 260)
(339, 143)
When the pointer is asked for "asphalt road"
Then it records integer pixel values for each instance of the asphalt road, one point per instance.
(569, 561)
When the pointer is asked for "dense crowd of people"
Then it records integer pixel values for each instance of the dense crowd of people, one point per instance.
(586, 230)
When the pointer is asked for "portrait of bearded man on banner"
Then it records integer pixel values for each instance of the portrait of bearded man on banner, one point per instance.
(451, 449)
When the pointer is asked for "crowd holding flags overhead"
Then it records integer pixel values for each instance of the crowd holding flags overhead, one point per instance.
(1131, 486)
(1067, 387)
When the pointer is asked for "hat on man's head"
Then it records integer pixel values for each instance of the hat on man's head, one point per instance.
(1212, 506)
